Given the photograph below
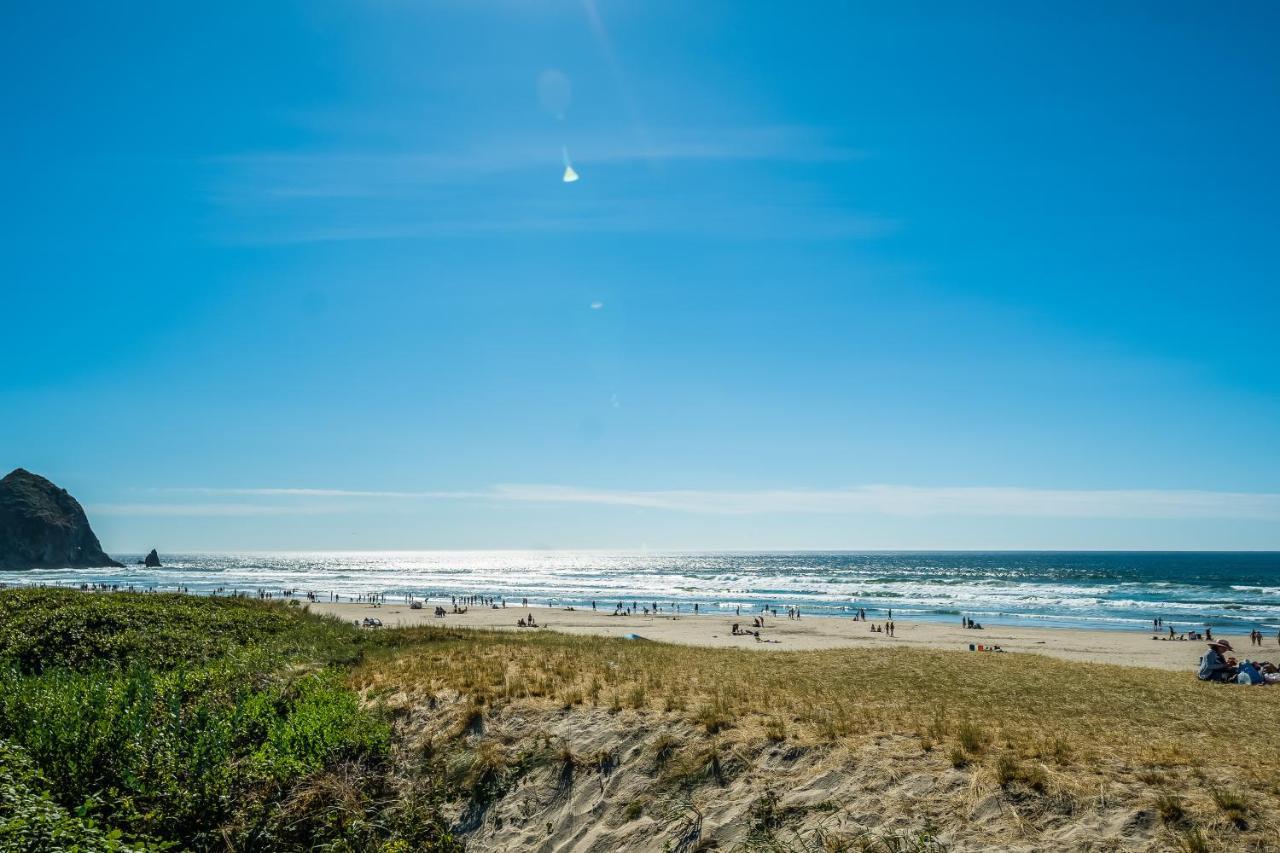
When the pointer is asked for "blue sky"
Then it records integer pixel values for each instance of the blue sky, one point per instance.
(835, 276)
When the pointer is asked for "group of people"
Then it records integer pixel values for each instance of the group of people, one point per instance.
(1256, 637)
(1217, 665)
(655, 608)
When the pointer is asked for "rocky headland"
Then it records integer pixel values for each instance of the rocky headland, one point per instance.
(43, 526)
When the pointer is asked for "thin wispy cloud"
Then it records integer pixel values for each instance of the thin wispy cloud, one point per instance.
(441, 227)
(210, 510)
(447, 187)
(315, 493)
(356, 174)
(922, 501)
(893, 500)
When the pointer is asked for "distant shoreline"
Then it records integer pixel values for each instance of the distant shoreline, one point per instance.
(1116, 593)
(810, 633)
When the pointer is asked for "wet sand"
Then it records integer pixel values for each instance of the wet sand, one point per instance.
(819, 632)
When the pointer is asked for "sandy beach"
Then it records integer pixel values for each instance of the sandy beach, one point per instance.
(815, 632)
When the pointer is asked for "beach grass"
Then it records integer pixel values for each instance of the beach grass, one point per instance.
(1063, 713)
(1066, 733)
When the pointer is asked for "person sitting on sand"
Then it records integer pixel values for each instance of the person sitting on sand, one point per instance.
(736, 630)
(1215, 666)
(520, 623)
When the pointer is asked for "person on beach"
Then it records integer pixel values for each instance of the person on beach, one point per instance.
(1216, 666)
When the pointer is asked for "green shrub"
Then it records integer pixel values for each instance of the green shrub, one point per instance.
(30, 820)
(52, 628)
(187, 722)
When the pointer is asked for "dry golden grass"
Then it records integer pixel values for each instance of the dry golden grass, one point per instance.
(1204, 755)
(1061, 711)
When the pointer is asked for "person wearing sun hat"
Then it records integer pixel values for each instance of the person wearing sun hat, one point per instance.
(1216, 666)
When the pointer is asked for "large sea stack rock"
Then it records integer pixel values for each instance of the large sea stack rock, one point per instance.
(153, 560)
(41, 526)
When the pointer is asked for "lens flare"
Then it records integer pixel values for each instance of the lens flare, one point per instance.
(569, 174)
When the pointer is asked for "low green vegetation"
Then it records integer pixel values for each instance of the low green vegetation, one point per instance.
(30, 819)
(44, 629)
(136, 721)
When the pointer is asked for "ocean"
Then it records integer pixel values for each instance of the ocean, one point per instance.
(1111, 590)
